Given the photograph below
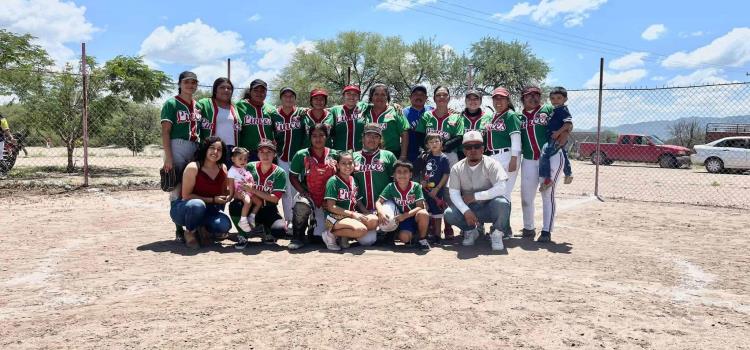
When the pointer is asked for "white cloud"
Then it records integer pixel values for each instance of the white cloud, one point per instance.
(254, 18)
(447, 48)
(190, 43)
(700, 77)
(207, 73)
(616, 79)
(732, 49)
(573, 12)
(631, 60)
(53, 22)
(277, 54)
(691, 34)
(659, 78)
(653, 32)
(401, 5)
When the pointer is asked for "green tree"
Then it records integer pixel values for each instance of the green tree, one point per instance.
(509, 64)
(131, 78)
(134, 127)
(20, 64)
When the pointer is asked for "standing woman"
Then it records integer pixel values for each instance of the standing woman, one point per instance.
(179, 131)
(310, 170)
(533, 137)
(391, 120)
(220, 117)
(347, 121)
(317, 114)
(441, 121)
(290, 136)
(503, 139)
(472, 116)
(255, 116)
(203, 195)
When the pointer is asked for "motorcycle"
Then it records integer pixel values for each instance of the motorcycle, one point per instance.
(11, 152)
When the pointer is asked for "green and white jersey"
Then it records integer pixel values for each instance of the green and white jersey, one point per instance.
(393, 123)
(184, 117)
(256, 124)
(346, 133)
(373, 171)
(448, 126)
(406, 199)
(308, 121)
(498, 128)
(534, 131)
(271, 182)
(473, 123)
(290, 133)
(345, 193)
(209, 109)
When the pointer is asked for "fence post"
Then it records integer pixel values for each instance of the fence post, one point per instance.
(85, 116)
(470, 79)
(229, 69)
(599, 129)
(349, 75)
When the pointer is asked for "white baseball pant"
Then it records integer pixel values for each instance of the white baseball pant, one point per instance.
(530, 187)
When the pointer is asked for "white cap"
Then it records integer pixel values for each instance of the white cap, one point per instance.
(473, 136)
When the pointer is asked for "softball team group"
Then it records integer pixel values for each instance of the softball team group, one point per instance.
(370, 172)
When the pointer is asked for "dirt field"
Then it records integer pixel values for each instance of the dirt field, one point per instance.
(620, 275)
(116, 167)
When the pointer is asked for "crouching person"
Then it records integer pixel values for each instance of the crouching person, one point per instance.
(342, 200)
(477, 185)
(413, 218)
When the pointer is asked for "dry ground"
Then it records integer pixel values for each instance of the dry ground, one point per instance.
(92, 270)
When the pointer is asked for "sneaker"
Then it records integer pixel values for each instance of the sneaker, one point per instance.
(496, 238)
(344, 242)
(251, 221)
(568, 180)
(241, 243)
(269, 239)
(330, 240)
(179, 234)
(469, 237)
(544, 237)
(507, 235)
(528, 233)
(423, 245)
(545, 185)
(244, 225)
(295, 244)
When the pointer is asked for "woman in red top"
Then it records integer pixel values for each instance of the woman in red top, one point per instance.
(205, 190)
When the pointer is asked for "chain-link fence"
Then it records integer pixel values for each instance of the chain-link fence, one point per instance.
(649, 147)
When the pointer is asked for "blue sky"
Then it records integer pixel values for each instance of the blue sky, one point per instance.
(655, 42)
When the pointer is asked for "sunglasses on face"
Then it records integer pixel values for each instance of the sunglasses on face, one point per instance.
(473, 146)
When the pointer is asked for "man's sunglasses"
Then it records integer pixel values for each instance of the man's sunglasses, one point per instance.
(473, 146)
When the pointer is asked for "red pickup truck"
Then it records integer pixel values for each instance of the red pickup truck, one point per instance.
(637, 148)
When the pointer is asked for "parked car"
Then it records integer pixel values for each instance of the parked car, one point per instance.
(726, 153)
(637, 148)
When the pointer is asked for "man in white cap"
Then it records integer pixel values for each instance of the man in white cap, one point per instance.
(477, 187)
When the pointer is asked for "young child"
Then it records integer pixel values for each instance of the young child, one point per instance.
(433, 168)
(560, 118)
(407, 195)
(239, 176)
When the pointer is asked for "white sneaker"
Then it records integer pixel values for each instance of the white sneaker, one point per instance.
(244, 226)
(496, 237)
(330, 240)
(469, 237)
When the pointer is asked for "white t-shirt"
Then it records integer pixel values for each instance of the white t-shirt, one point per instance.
(241, 176)
(225, 126)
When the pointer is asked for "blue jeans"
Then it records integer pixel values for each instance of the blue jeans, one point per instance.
(495, 211)
(549, 150)
(194, 213)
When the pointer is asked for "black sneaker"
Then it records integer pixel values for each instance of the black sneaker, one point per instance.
(544, 237)
(179, 234)
(423, 245)
(507, 235)
(528, 233)
(241, 243)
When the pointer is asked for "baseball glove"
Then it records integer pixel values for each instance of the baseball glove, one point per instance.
(169, 179)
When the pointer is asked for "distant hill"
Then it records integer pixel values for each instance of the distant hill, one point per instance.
(660, 128)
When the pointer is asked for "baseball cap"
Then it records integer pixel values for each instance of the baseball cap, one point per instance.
(501, 91)
(531, 90)
(473, 136)
(287, 89)
(318, 92)
(354, 88)
(187, 75)
(267, 144)
(416, 88)
(258, 82)
(474, 92)
(373, 128)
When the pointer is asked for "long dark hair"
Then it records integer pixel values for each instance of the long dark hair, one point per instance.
(319, 126)
(218, 82)
(200, 153)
